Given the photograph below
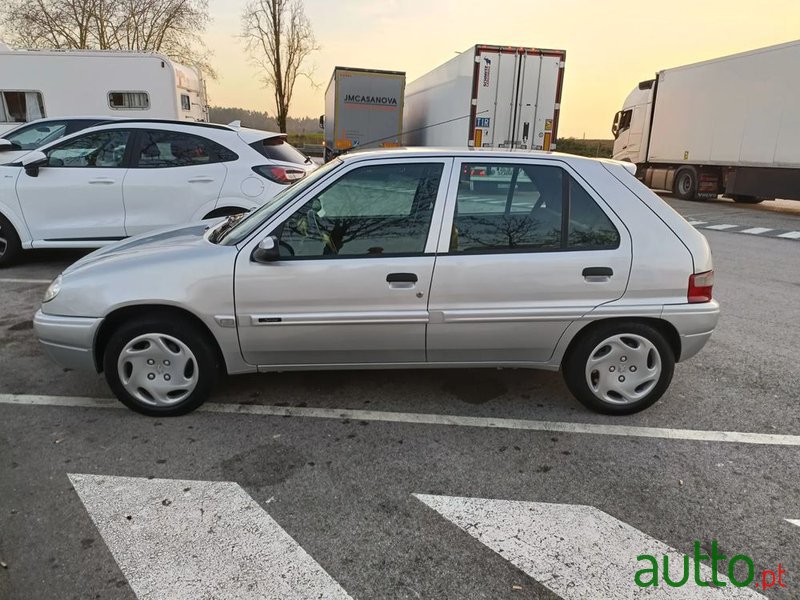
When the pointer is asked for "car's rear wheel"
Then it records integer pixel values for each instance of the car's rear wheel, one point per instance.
(619, 368)
(160, 367)
(10, 245)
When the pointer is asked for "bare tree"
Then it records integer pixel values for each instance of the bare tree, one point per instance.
(172, 27)
(278, 37)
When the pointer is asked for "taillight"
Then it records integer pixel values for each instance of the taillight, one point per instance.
(700, 285)
(284, 175)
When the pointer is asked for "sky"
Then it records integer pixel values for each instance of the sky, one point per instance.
(611, 44)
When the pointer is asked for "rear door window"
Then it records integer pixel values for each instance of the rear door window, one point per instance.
(160, 148)
(277, 148)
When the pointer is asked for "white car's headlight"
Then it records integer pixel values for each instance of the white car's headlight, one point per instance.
(52, 289)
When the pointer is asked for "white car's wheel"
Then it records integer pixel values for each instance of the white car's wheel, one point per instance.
(10, 246)
(619, 368)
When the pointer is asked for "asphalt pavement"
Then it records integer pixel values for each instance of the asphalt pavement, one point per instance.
(382, 484)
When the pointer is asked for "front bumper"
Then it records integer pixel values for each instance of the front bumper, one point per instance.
(694, 322)
(69, 341)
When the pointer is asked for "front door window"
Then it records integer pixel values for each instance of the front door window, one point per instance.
(381, 210)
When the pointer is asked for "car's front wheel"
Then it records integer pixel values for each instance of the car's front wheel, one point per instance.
(619, 368)
(160, 367)
(10, 245)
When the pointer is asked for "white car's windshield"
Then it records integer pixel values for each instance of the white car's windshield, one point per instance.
(244, 227)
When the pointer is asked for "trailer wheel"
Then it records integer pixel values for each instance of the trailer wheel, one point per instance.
(746, 199)
(685, 184)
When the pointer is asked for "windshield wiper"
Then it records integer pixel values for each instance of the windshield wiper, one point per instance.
(226, 226)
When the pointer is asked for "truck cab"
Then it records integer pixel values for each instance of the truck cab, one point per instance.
(630, 127)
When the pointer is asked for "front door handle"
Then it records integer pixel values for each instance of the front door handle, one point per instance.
(102, 180)
(201, 180)
(401, 278)
(598, 273)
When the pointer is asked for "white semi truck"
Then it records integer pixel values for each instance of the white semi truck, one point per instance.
(363, 109)
(490, 97)
(74, 83)
(725, 126)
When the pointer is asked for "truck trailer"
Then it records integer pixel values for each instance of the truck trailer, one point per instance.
(490, 97)
(74, 83)
(363, 109)
(728, 126)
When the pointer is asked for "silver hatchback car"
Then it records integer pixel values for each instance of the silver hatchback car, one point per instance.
(410, 258)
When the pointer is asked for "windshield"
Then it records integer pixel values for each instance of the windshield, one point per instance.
(35, 135)
(257, 217)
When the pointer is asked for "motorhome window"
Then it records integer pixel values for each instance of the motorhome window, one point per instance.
(186, 102)
(159, 149)
(20, 106)
(129, 100)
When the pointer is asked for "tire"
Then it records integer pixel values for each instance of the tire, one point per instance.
(746, 199)
(10, 245)
(181, 354)
(595, 387)
(685, 184)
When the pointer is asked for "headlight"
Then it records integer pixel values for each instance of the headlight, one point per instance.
(53, 289)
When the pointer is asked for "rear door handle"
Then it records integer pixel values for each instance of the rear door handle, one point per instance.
(598, 273)
(201, 180)
(101, 180)
(402, 278)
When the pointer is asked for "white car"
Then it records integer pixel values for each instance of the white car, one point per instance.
(119, 179)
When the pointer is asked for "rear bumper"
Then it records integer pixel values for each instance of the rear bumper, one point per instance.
(694, 322)
(68, 341)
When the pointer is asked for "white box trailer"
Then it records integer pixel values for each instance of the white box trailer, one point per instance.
(73, 83)
(729, 125)
(363, 109)
(488, 96)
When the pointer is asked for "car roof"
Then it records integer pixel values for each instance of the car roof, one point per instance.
(474, 153)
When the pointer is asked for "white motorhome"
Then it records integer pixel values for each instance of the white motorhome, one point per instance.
(56, 83)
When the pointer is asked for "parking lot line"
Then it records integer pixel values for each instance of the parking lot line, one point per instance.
(180, 540)
(791, 235)
(736, 437)
(756, 230)
(14, 280)
(722, 226)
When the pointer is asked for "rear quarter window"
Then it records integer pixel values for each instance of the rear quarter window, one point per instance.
(276, 148)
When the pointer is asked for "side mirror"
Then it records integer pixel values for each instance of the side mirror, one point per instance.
(6, 145)
(322, 121)
(615, 124)
(267, 250)
(32, 161)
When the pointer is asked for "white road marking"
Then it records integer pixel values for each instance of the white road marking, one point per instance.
(182, 540)
(575, 551)
(756, 230)
(793, 521)
(721, 226)
(696, 223)
(699, 435)
(792, 235)
(13, 280)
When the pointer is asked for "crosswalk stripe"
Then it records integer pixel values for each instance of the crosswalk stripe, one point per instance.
(792, 235)
(756, 230)
(696, 223)
(575, 551)
(793, 521)
(183, 540)
(722, 226)
(735, 437)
